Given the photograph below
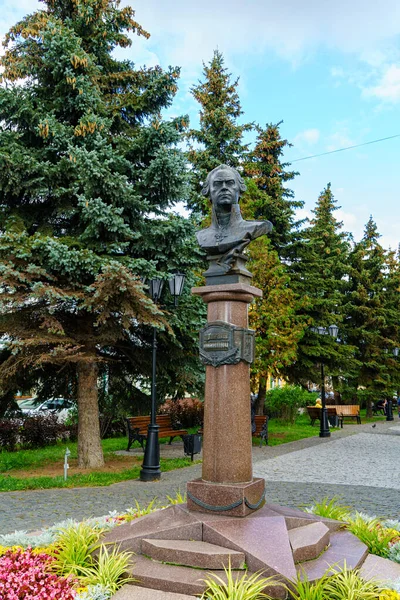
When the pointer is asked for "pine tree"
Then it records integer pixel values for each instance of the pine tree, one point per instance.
(368, 325)
(267, 196)
(275, 319)
(88, 170)
(219, 140)
(392, 329)
(320, 279)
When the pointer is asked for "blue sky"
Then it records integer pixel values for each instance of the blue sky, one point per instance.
(329, 70)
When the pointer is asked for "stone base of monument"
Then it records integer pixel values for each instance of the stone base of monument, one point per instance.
(278, 541)
(228, 499)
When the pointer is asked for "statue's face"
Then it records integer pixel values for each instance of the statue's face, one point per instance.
(224, 188)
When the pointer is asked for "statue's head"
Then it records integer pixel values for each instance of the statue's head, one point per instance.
(224, 185)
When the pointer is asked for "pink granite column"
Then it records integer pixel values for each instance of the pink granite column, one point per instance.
(227, 445)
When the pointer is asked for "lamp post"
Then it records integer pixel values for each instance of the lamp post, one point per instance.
(332, 330)
(389, 403)
(150, 470)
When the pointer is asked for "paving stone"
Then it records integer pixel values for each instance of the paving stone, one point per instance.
(383, 569)
(134, 592)
(193, 554)
(308, 541)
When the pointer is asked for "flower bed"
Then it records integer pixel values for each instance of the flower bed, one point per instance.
(57, 564)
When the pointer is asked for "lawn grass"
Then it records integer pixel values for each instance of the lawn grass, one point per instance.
(29, 459)
(23, 459)
(279, 433)
(282, 433)
(10, 484)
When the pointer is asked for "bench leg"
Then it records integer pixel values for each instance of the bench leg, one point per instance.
(264, 434)
(136, 438)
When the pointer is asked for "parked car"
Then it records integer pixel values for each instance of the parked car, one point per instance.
(59, 406)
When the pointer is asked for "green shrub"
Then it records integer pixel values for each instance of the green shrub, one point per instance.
(284, 403)
(335, 584)
(304, 589)
(394, 553)
(74, 547)
(371, 532)
(43, 430)
(246, 587)
(348, 585)
(187, 412)
(330, 509)
(9, 434)
(108, 570)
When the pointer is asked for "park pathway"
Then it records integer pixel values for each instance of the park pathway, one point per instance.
(360, 464)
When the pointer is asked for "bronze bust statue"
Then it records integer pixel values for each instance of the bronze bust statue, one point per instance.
(229, 234)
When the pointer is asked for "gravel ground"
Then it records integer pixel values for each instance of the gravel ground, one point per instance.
(359, 464)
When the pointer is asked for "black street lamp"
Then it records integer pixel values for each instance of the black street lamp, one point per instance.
(332, 330)
(150, 470)
(389, 403)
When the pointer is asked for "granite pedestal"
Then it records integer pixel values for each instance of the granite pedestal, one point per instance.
(227, 474)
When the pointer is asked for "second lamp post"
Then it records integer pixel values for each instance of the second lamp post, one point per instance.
(332, 330)
(389, 403)
(151, 463)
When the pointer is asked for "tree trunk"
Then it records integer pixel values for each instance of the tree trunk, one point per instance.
(368, 413)
(337, 397)
(262, 390)
(90, 452)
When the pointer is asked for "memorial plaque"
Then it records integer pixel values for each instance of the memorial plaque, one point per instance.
(225, 344)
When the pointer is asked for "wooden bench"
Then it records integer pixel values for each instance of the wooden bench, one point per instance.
(261, 430)
(314, 412)
(377, 409)
(137, 429)
(348, 411)
(341, 411)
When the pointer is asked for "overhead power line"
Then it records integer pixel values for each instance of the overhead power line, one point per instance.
(347, 148)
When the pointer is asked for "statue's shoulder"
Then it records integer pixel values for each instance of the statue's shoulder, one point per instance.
(257, 228)
(204, 235)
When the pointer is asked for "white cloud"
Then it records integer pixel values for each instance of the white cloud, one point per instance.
(388, 88)
(337, 72)
(304, 213)
(308, 137)
(338, 140)
(349, 219)
(291, 29)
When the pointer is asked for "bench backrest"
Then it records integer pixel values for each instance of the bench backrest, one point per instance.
(163, 421)
(314, 412)
(260, 421)
(348, 409)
